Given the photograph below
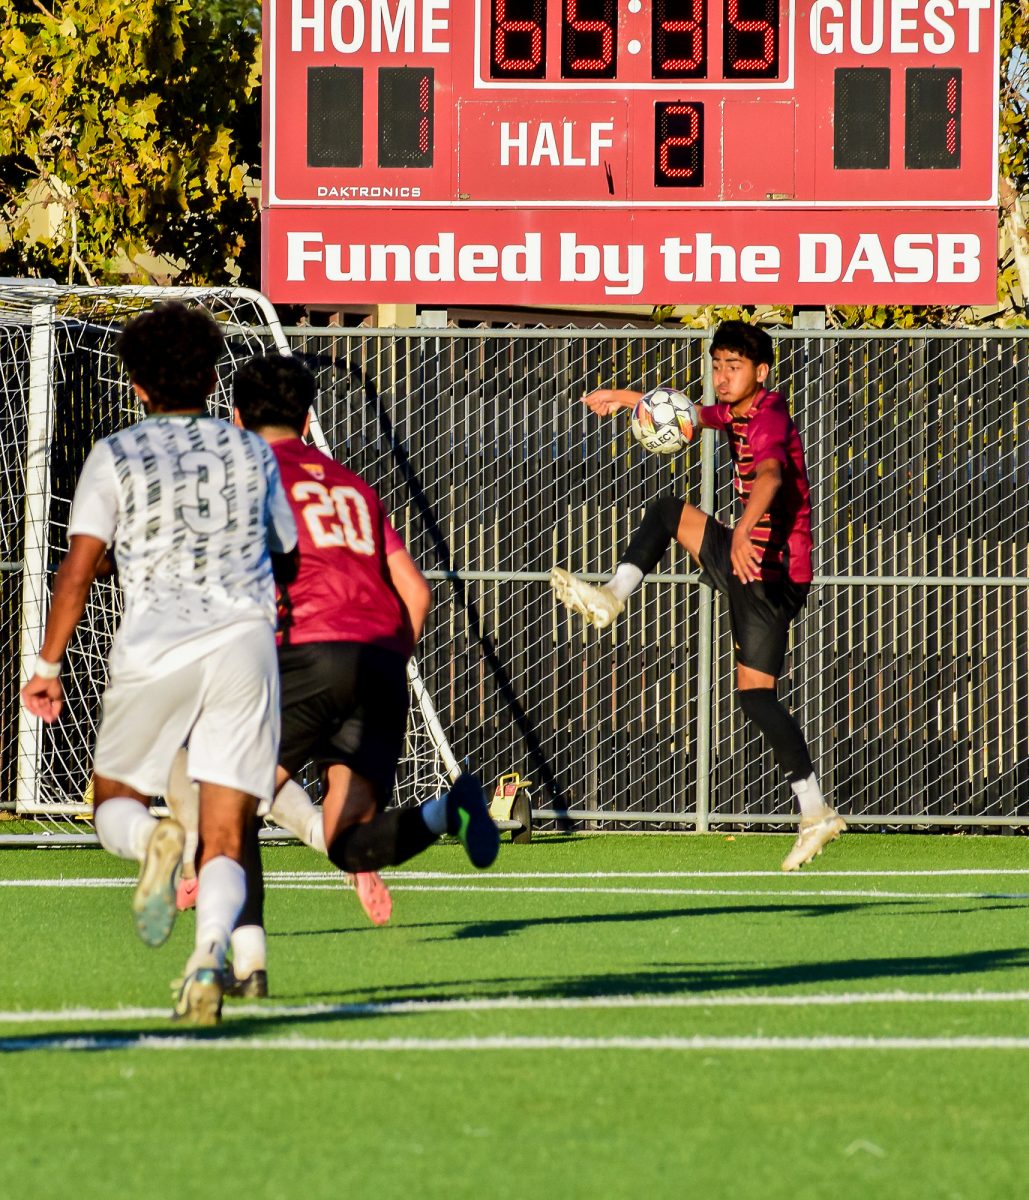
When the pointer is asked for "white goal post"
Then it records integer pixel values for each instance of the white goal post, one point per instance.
(62, 389)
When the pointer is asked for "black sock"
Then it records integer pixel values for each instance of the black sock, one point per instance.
(387, 840)
(782, 733)
(655, 533)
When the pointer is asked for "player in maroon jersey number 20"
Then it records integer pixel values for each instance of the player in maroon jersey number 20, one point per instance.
(348, 623)
(762, 565)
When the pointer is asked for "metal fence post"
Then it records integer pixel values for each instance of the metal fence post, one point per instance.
(39, 431)
(706, 617)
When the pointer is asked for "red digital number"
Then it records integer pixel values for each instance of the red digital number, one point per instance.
(518, 39)
(588, 42)
(424, 95)
(952, 114)
(751, 41)
(678, 39)
(932, 119)
(678, 144)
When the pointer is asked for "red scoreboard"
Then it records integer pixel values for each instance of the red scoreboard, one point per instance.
(550, 152)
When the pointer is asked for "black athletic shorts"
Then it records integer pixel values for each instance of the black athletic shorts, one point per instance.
(760, 613)
(344, 702)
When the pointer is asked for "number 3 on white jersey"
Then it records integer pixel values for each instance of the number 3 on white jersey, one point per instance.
(335, 517)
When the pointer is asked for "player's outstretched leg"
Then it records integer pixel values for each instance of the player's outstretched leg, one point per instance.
(468, 819)
(816, 832)
(153, 903)
(597, 604)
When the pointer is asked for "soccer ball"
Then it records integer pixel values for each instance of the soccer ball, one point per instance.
(663, 421)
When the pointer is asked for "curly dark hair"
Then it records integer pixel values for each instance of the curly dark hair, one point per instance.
(273, 390)
(171, 352)
(746, 340)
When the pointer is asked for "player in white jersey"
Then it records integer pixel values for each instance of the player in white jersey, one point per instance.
(195, 511)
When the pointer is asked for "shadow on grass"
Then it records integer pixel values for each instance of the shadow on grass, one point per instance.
(689, 979)
(462, 930)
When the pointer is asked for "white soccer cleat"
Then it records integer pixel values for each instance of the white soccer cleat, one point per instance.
(599, 605)
(815, 834)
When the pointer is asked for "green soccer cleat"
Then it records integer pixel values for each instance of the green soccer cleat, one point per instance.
(154, 900)
(468, 820)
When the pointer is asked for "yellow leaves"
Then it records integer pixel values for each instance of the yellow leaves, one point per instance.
(135, 108)
(237, 179)
(13, 43)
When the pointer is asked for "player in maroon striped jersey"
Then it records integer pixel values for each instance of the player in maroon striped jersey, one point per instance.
(762, 565)
(348, 623)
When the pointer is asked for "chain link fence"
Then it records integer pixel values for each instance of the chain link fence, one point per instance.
(909, 669)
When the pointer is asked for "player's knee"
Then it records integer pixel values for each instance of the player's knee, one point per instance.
(362, 847)
(666, 513)
(756, 704)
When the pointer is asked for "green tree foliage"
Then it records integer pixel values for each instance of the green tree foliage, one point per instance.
(131, 127)
(1014, 93)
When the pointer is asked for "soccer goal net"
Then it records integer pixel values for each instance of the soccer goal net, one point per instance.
(63, 389)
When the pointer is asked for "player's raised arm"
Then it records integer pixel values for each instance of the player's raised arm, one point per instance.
(605, 401)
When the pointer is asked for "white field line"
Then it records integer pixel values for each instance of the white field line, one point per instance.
(207, 1042)
(324, 882)
(821, 874)
(520, 1004)
(764, 893)
(399, 876)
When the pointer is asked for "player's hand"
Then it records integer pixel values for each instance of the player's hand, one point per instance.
(43, 698)
(605, 401)
(745, 556)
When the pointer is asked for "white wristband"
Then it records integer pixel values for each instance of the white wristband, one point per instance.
(47, 670)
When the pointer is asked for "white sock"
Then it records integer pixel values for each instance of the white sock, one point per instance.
(295, 812)
(249, 951)
(124, 827)
(625, 581)
(189, 854)
(221, 893)
(434, 814)
(182, 794)
(809, 796)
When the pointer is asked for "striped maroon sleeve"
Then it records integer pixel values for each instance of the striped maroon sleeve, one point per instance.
(715, 416)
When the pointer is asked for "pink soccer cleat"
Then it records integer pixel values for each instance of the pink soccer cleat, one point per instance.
(374, 896)
(186, 894)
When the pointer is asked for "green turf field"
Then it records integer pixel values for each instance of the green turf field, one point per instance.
(600, 1016)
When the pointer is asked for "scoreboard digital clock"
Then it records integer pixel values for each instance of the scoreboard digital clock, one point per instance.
(547, 152)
